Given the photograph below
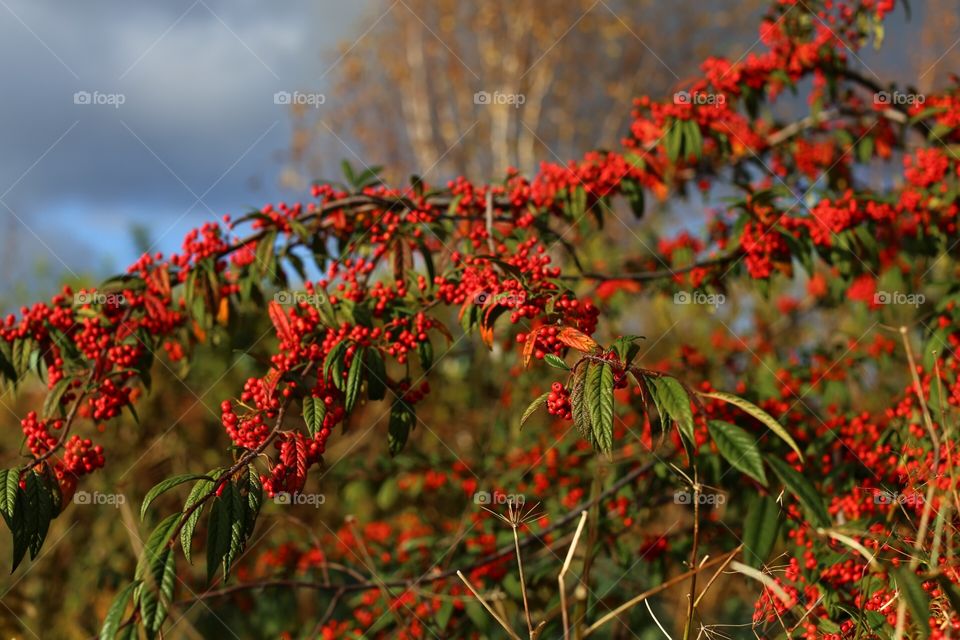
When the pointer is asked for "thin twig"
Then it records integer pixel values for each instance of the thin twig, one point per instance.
(488, 607)
(563, 574)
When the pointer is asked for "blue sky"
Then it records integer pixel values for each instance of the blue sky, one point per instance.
(186, 128)
(182, 125)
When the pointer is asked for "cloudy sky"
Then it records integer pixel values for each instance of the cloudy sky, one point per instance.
(180, 126)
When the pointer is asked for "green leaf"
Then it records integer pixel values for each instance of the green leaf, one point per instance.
(401, 422)
(42, 510)
(599, 396)
(20, 529)
(804, 491)
(760, 530)
(555, 361)
(164, 486)
(111, 624)
(51, 404)
(578, 403)
(6, 368)
(9, 488)
(739, 449)
(157, 567)
(219, 530)
(314, 411)
(425, 352)
(530, 410)
(331, 364)
(757, 413)
(626, 348)
(633, 191)
(254, 500)
(376, 375)
(672, 398)
(917, 599)
(354, 378)
(202, 488)
(265, 256)
(673, 140)
(692, 139)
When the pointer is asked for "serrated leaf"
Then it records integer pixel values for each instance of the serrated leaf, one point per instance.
(9, 487)
(532, 408)
(804, 491)
(111, 623)
(164, 486)
(555, 361)
(314, 411)
(598, 393)
(331, 364)
(673, 399)
(157, 568)
(254, 500)
(757, 413)
(738, 448)
(354, 377)
(43, 512)
(577, 339)
(578, 403)
(219, 530)
(202, 488)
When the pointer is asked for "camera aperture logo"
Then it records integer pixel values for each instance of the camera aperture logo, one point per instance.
(299, 99)
(699, 98)
(504, 299)
(899, 298)
(486, 498)
(96, 98)
(299, 297)
(515, 100)
(309, 499)
(97, 498)
(707, 499)
(699, 297)
(99, 298)
(890, 98)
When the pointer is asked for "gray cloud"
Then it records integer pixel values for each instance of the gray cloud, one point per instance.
(197, 118)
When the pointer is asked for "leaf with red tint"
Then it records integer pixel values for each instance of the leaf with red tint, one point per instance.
(577, 339)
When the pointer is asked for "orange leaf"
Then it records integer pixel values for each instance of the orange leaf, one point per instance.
(486, 334)
(279, 319)
(577, 339)
(223, 313)
(528, 346)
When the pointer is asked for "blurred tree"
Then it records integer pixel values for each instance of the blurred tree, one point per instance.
(406, 92)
